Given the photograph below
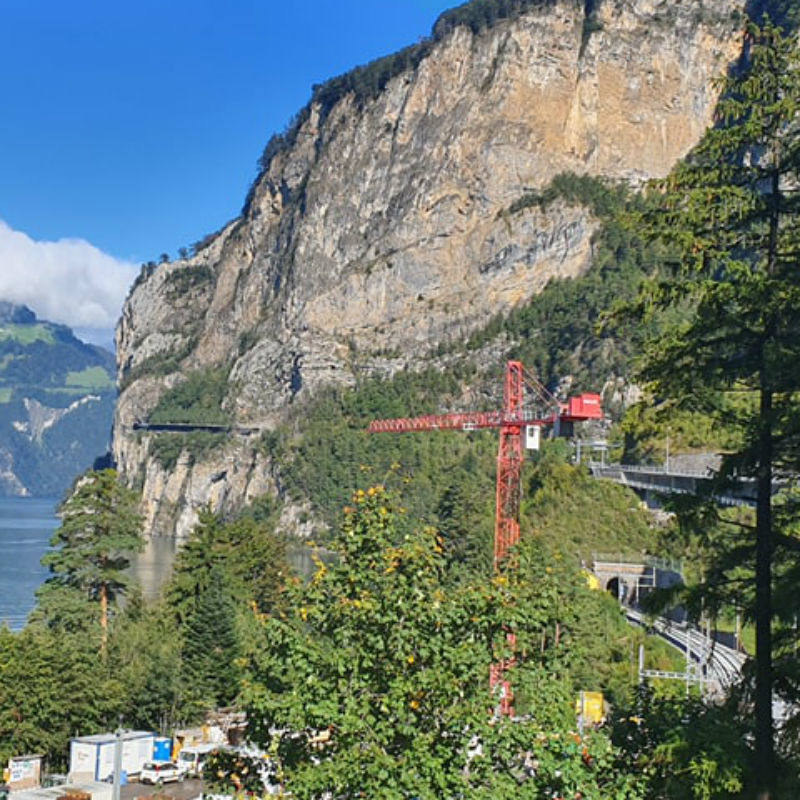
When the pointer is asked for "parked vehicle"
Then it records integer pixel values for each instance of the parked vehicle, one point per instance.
(161, 772)
(192, 758)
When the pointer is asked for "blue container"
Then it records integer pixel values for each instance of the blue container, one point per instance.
(123, 777)
(162, 749)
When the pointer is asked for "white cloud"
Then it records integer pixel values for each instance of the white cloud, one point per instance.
(69, 281)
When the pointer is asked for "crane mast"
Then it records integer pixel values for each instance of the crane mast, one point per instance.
(512, 421)
(509, 465)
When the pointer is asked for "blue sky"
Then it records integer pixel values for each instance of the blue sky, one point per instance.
(136, 126)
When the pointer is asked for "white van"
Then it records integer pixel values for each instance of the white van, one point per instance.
(192, 758)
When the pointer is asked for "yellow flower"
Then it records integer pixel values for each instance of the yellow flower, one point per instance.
(410, 659)
(414, 704)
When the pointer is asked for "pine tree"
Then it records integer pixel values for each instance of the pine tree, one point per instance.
(211, 645)
(100, 527)
(249, 551)
(731, 213)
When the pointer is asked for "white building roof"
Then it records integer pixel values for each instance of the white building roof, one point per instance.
(105, 738)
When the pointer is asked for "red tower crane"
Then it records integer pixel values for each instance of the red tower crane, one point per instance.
(514, 420)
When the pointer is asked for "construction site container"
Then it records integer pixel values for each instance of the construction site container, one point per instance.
(92, 757)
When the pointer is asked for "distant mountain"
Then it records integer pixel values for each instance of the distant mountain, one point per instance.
(57, 399)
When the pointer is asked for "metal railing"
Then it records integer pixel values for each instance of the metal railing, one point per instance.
(632, 559)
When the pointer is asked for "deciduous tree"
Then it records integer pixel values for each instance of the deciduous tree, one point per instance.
(376, 674)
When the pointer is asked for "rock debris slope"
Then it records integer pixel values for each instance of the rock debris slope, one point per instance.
(378, 227)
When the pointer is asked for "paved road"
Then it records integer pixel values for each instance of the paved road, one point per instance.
(180, 790)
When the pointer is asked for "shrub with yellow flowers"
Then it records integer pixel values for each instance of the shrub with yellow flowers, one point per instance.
(374, 679)
(231, 773)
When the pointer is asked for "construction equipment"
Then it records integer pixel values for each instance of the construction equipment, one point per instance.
(527, 408)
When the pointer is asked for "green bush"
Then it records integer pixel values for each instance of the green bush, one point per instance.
(184, 280)
(167, 448)
(602, 197)
(480, 14)
(160, 364)
(198, 399)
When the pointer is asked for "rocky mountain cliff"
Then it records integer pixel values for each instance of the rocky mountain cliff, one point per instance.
(56, 404)
(383, 223)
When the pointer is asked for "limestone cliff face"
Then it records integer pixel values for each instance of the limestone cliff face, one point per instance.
(380, 232)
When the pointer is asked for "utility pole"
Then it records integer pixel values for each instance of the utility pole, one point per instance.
(738, 631)
(117, 763)
(688, 657)
(641, 664)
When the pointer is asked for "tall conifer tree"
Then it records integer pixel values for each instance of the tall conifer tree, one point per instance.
(731, 212)
(100, 528)
(211, 645)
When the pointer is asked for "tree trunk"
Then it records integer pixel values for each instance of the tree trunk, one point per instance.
(765, 743)
(103, 618)
(765, 753)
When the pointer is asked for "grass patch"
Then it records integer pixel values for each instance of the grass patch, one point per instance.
(27, 334)
(74, 391)
(748, 632)
(5, 396)
(90, 378)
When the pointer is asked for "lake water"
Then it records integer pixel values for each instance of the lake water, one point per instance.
(26, 525)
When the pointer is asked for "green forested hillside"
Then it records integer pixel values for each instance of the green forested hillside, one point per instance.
(56, 403)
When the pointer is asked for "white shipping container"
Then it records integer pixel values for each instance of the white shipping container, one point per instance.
(92, 757)
(82, 757)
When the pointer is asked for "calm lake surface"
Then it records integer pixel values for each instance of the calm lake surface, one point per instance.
(26, 525)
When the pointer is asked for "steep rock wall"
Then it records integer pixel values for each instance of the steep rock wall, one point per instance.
(381, 231)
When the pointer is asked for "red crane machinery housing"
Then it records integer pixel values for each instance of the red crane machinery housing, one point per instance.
(514, 421)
